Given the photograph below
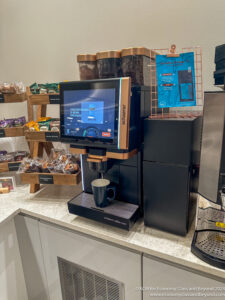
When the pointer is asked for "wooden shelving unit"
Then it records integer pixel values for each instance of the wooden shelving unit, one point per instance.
(9, 166)
(13, 98)
(42, 136)
(42, 140)
(11, 132)
(50, 178)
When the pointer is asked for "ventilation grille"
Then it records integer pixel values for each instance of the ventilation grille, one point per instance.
(78, 283)
(212, 243)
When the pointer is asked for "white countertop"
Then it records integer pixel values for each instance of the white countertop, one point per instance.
(50, 204)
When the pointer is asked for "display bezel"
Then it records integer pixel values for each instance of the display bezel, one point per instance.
(90, 85)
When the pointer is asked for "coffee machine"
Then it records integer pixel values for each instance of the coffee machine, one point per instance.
(102, 120)
(209, 238)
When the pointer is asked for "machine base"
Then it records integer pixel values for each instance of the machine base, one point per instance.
(119, 214)
(209, 246)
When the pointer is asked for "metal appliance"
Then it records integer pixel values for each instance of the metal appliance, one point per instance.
(102, 120)
(209, 238)
(170, 172)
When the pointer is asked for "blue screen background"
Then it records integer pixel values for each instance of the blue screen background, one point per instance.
(89, 113)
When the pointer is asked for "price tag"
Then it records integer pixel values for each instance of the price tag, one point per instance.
(52, 136)
(14, 166)
(46, 179)
(2, 100)
(54, 99)
(2, 133)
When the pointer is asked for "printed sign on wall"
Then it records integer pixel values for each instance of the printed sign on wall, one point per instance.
(176, 80)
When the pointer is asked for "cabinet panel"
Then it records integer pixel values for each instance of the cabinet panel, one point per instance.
(12, 283)
(32, 258)
(160, 276)
(113, 262)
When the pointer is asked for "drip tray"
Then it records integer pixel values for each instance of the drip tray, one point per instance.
(209, 245)
(119, 214)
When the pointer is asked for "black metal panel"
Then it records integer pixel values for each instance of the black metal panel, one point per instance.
(126, 174)
(166, 197)
(168, 140)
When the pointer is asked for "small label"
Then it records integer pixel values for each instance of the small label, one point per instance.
(219, 224)
(52, 136)
(54, 99)
(13, 166)
(2, 133)
(2, 100)
(46, 179)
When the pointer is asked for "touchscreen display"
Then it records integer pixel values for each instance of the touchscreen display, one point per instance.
(89, 113)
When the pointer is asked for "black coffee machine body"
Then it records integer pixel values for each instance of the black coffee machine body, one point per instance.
(209, 238)
(119, 158)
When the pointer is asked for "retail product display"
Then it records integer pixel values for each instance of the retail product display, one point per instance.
(136, 65)
(44, 124)
(12, 156)
(12, 88)
(15, 122)
(60, 162)
(47, 88)
(87, 66)
(109, 64)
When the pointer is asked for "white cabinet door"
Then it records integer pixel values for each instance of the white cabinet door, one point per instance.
(32, 259)
(110, 261)
(12, 283)
(161, 278)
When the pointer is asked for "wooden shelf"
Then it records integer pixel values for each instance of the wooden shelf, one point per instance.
(13, 98)
(42, 136)
(51, 178)
(11, 132)
(9, 166)
(39, 99)
(113, 155)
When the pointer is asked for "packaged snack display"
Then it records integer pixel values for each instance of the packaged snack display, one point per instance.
(55, 125)
(88, 66)
(3, 152)
(44, 124)
(60, 161)
(109, 64)
(9, 123)
(12, 156)
(6, 158)
(136, 64)
(12, 88)
(47, 88)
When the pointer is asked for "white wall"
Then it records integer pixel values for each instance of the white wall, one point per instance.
(39, 40)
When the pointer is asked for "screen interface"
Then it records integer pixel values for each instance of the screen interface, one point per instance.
(89, 113)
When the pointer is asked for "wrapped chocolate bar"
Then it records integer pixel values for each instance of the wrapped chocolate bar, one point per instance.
(6, 158)
(19, 122)
(7, 123)
(30, 166)
(3, 152)
(20, 155)
(55, 125)
(71, 168)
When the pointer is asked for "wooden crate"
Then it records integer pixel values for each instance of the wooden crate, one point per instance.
(12, 98)
(50, 178)
(12, 132)
(9, 166)
(42, 136)
(41, 99)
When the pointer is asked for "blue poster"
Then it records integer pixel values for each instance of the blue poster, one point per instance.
(176, 80)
